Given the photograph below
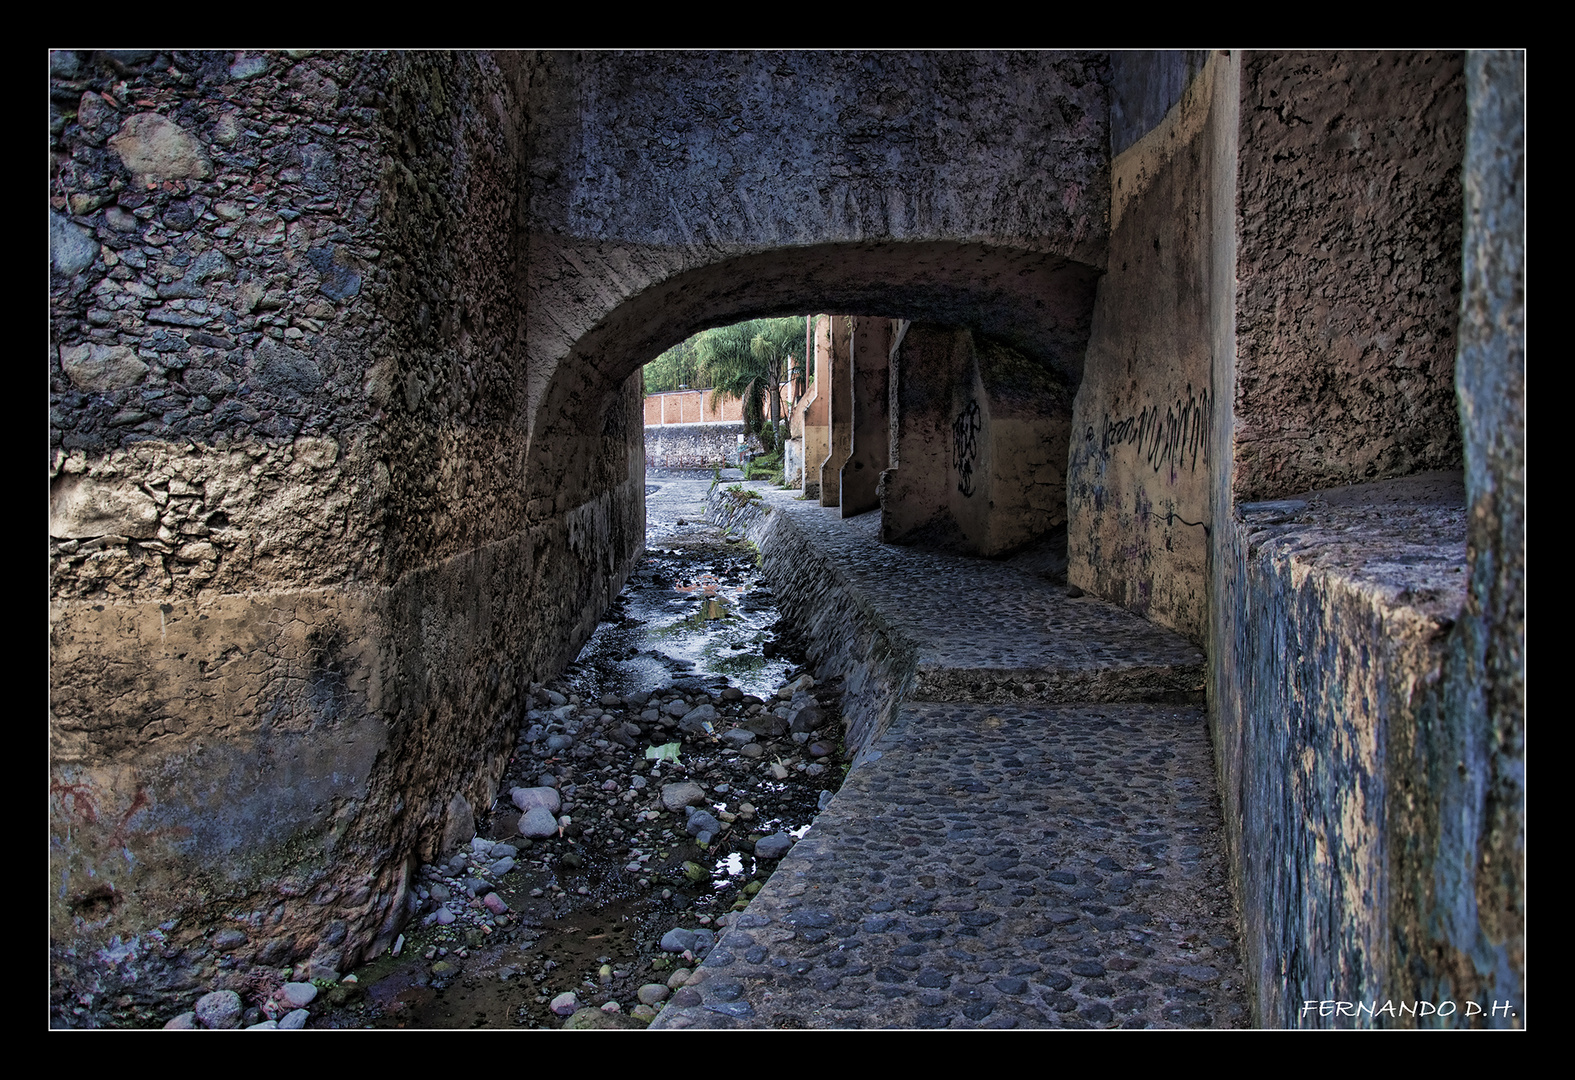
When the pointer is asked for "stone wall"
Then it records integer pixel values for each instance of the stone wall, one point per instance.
(694, 446)
(289, 581)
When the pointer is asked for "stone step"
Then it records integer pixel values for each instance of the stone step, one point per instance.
(900, 623)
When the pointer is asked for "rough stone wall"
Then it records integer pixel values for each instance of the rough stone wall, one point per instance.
(1458, 900)
(282, 626)
(1349, 278)
(1137, 500)
(693, 446)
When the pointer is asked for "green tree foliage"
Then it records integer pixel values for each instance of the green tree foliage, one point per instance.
(747, 360)
(675, 369)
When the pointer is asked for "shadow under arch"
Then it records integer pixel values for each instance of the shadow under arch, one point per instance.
(1039, 303)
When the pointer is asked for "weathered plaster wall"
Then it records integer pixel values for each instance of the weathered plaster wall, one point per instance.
(982, 435)
(1026, 414)
(691, 407)
(916, 496)
(1349, 219)
(1137, 500)
(870, 428)
(815, 408)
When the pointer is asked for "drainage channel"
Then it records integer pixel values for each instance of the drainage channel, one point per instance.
(662, 757)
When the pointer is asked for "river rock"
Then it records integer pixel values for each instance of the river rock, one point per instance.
(220, 1010)
(565, 1003)
(539, 823)
(678, 796)
(703, 821)
(678, 940)
(527, 799)
(591, 1018)
(809, 718)
(298, 995)
(774, 846)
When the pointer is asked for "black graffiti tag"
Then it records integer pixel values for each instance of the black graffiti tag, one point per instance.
(1177, 438)
(965, 446)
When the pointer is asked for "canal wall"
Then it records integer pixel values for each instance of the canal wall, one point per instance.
(696, 446)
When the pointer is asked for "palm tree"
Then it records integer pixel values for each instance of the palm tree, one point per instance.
(747, 360)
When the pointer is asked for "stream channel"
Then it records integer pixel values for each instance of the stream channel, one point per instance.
(503, 932)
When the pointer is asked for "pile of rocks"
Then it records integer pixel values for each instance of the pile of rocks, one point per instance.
(619, 768)
(623, 793)
(285, 1008)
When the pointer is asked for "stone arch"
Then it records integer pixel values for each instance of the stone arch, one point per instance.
(1037, 302)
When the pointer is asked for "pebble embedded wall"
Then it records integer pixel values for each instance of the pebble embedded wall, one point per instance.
(276, 512)
(694, 446)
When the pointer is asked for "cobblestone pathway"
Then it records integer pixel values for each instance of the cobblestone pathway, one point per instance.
(995, 864)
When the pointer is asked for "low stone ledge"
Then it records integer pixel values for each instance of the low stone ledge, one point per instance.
(1344, 603)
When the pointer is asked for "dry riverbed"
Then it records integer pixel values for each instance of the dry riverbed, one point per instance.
(652, 789)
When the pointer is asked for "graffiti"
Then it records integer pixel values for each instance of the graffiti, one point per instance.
(965, 446)
(1177, 439)
(76, 799)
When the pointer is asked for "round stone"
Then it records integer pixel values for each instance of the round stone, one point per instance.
(220, 1010)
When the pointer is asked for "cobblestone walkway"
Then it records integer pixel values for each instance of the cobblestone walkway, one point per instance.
(990, 864)
(992, 628)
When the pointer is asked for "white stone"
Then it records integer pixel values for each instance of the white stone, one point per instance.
(81, 507)
(155, 148)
